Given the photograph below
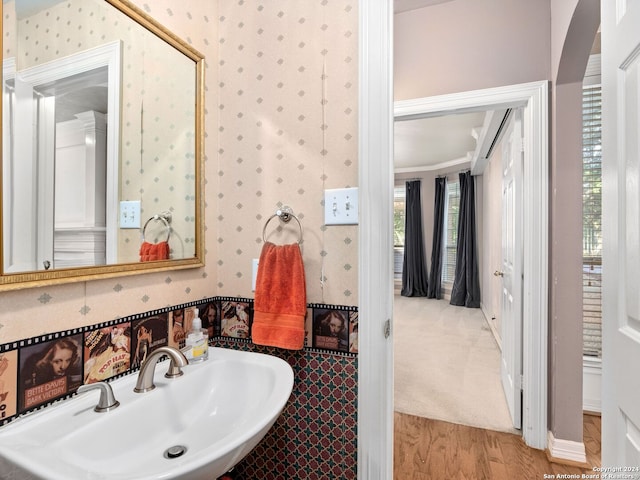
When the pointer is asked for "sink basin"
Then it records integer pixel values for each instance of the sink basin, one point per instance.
(217, 411)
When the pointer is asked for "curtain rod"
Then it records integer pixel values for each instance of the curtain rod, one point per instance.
(445, 175)
(440, 175)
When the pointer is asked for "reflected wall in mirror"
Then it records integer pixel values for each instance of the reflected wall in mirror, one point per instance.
(101, 143)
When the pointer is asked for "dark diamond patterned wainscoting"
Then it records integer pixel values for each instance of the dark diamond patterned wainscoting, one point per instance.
(316, 435)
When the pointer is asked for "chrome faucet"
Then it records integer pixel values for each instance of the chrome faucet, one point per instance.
(147, 369)
(107, 400)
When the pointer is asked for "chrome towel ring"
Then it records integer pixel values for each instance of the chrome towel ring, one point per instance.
(165, 218)
(285, 215)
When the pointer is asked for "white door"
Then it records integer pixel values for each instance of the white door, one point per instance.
(20, 168)
(621, 236)
(511, 269)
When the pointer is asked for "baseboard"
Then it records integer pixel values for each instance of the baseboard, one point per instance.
(492, 327)
(591, 384)
(566, 452)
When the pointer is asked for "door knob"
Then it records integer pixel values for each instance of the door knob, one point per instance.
(498, 273)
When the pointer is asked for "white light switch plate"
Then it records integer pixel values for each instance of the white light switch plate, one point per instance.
(341, 206)
(130, 214)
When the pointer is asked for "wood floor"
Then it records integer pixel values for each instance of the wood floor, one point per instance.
(426, 449)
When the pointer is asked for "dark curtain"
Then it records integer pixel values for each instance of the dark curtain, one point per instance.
(435, 274)
(466, 284)
(414, 269)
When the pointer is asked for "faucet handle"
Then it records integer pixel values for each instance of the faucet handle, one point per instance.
(107, 400)
(177, 360)
(174, 370)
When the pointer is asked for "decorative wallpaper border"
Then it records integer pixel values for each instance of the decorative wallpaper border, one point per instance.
(39, 371)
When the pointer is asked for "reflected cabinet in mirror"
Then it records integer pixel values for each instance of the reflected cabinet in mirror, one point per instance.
(102, 143)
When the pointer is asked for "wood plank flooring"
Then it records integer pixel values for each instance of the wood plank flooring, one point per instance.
(426, 449)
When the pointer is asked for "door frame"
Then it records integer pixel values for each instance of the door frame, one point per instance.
(511, 262)
(533, 97)
(108, 55)
(375, 144)
(375, 239)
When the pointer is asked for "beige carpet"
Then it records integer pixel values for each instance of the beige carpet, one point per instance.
(447, 365)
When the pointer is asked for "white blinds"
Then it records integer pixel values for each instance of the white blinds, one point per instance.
(452, 210)
(592, 216)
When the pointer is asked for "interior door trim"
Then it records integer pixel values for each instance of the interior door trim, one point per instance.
(533, 97)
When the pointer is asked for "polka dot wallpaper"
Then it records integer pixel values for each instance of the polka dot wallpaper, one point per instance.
(288, 130)
(280, 127)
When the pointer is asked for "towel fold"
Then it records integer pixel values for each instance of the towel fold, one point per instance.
(154, 251)
(280, 303)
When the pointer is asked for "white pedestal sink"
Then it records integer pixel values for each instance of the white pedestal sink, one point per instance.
(214, 414)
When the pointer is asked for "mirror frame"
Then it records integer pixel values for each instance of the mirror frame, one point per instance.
(17, 281)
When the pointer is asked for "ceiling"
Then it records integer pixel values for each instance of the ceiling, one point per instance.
(400, 6)
(435, 143)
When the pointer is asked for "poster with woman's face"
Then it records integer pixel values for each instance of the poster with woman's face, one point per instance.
(148, 334)
(331, 329)
(210, 318)
(49, 370)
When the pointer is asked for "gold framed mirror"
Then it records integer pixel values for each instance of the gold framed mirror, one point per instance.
(102, 144)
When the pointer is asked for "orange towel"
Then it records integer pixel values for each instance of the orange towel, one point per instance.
(154, 251)
(280, 303)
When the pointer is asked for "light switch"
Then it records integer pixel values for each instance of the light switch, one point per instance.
(130, 214)
(341, 206)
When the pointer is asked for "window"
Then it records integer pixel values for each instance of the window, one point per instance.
(591, 221)
(399, 213)
(452, 213)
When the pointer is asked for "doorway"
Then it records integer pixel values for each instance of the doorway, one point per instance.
(375, 371)
(68, 130)
(447, 363)
(532, 97)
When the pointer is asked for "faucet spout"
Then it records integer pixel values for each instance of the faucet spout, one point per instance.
(147, 369)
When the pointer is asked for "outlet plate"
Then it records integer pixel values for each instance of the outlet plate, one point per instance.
(254, 273)
(130, 214)
(341, 206)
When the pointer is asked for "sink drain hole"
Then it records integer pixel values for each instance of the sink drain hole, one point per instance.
(175, 451)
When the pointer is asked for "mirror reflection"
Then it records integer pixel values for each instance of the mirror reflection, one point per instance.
(100, 139)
